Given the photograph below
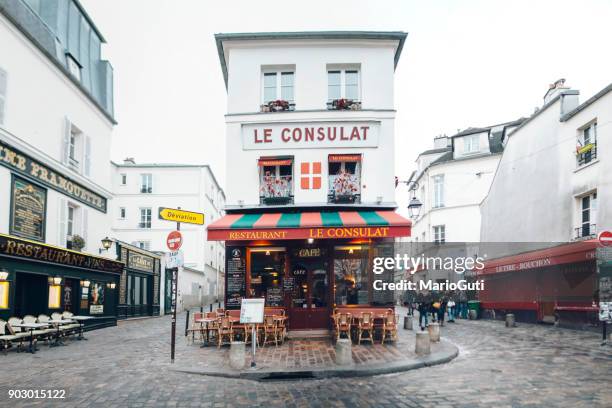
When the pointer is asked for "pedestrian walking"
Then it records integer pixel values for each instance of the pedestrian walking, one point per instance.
(441, 311)
(423, 309)
(451, 310)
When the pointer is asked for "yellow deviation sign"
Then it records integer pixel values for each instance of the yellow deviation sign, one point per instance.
(188, 217)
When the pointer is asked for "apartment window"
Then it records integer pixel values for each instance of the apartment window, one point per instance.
(588, 216)
(439, 233)
(343, 84)
(275, 180)
(122, 213)
(3, 87)
(70, 221)
(123, 179)
(146, 183)
(586, 149)
(278, 85)
(438, 191)
(146, 245)
(145, 218)
(471, 144)
(344, 178)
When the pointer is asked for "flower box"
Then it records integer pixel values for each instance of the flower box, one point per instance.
(278, 105)
(344, 104)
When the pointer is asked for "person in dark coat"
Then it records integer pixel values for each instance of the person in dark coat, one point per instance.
(442, 311)
(423, 309)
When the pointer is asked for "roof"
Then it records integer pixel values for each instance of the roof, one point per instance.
(588, 102)
(432, 151)
(399, 36)
(545, 107)
(311, 224)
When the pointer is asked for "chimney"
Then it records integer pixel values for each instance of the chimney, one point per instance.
(441, 142)
(129, 160)
(569, 97)
(555, 89)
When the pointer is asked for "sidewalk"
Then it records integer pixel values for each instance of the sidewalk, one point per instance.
(314, 358)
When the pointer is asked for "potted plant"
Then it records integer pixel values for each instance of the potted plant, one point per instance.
(278, 105)
(77, 243)
(345, 104)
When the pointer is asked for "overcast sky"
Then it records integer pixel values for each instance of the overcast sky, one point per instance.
(465, 63)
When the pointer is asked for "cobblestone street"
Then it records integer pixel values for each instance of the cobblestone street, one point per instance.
(528, 366)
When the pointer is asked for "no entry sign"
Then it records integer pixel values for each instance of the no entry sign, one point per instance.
(605, 238)
(174, 241)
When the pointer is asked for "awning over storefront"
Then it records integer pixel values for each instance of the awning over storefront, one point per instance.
(562, 254)
(304, 225)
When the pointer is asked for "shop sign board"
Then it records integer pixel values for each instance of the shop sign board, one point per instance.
(306, 233)
(28, 210)
(310, 135)
(252, 310)
(187, 217)
(174, 241)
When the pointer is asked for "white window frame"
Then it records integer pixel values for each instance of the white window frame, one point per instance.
(471, 144)
(146, 183)
(343, 70)
(71, 221)
(439, 234)
(279, 91)
(146, 218)
(438, 191)
(592, 211)
(591, 128)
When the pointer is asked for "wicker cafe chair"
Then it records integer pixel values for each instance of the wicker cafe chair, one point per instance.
(211, 327)
(39, 334)
(269, 331)
(17, 331)
(365, 325)
(6, 340)
(194, 327)
(389, 327)
(50, 330)
(343, 325)
(281, 328)
(224, 330)
(73, 327)
(220, 312)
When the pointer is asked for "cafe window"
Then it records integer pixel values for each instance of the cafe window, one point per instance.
(267, 271)
(351, 275)
(278, 85)
(146, 183)
(276, 180)
(145, 218)
(344, 178)
(343, 84)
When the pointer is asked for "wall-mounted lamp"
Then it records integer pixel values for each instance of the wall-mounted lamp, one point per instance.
(85, 283)
(106, 244)
(310, 240)
(3, 274)
(57, 280)
(111, 285)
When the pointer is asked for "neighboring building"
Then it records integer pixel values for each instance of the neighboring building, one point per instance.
(451, 180)
(310, 169)
(140, 190)
(552, 186)
(56, 119)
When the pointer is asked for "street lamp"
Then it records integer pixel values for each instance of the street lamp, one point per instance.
(414, 207)
(106, 244)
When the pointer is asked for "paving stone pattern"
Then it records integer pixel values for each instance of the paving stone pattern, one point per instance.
(526, 366)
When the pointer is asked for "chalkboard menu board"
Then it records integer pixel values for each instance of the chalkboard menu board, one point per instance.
(28, 210)
(288, 283)
(274, 296)
(235, 285)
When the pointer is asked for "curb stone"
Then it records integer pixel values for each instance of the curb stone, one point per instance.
(448, 353)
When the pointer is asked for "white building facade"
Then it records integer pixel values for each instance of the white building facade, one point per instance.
(552, 192)
(56, 119)
(310, 168)
(140, 190)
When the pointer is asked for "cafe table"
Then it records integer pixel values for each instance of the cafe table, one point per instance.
(31, 327)
(81, 321)
(206, 321)
(57, 323)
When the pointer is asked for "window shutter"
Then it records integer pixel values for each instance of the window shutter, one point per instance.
(66, 141)
(63, 206)
(85, 226)
(3, 85)
(87, 157)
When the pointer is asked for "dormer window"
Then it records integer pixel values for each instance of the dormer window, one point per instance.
(471, 144)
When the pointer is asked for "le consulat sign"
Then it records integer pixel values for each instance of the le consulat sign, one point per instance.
(23, 164)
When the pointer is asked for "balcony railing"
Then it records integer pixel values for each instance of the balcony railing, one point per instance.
(586, 231)
(344, 189)
(145, 225)
(276, 190)
(586, 154)
(146, 190)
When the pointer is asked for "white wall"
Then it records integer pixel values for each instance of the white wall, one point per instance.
(533, 197)
(39, 99)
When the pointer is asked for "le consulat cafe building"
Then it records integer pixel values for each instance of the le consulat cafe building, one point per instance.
(310, 170)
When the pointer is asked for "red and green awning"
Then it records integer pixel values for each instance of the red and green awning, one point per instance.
(304, 225)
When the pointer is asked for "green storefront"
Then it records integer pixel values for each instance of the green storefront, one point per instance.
(37, 278)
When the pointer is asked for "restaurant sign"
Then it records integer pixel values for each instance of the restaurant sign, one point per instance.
(23, 249)
(24, 165)
(306, 233)
(141, 262)
(28, 210)
(310, 135)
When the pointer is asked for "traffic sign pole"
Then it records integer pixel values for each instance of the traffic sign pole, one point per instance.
(174, 301)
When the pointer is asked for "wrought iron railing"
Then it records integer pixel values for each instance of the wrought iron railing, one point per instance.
(585, 231)
(276, 190)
